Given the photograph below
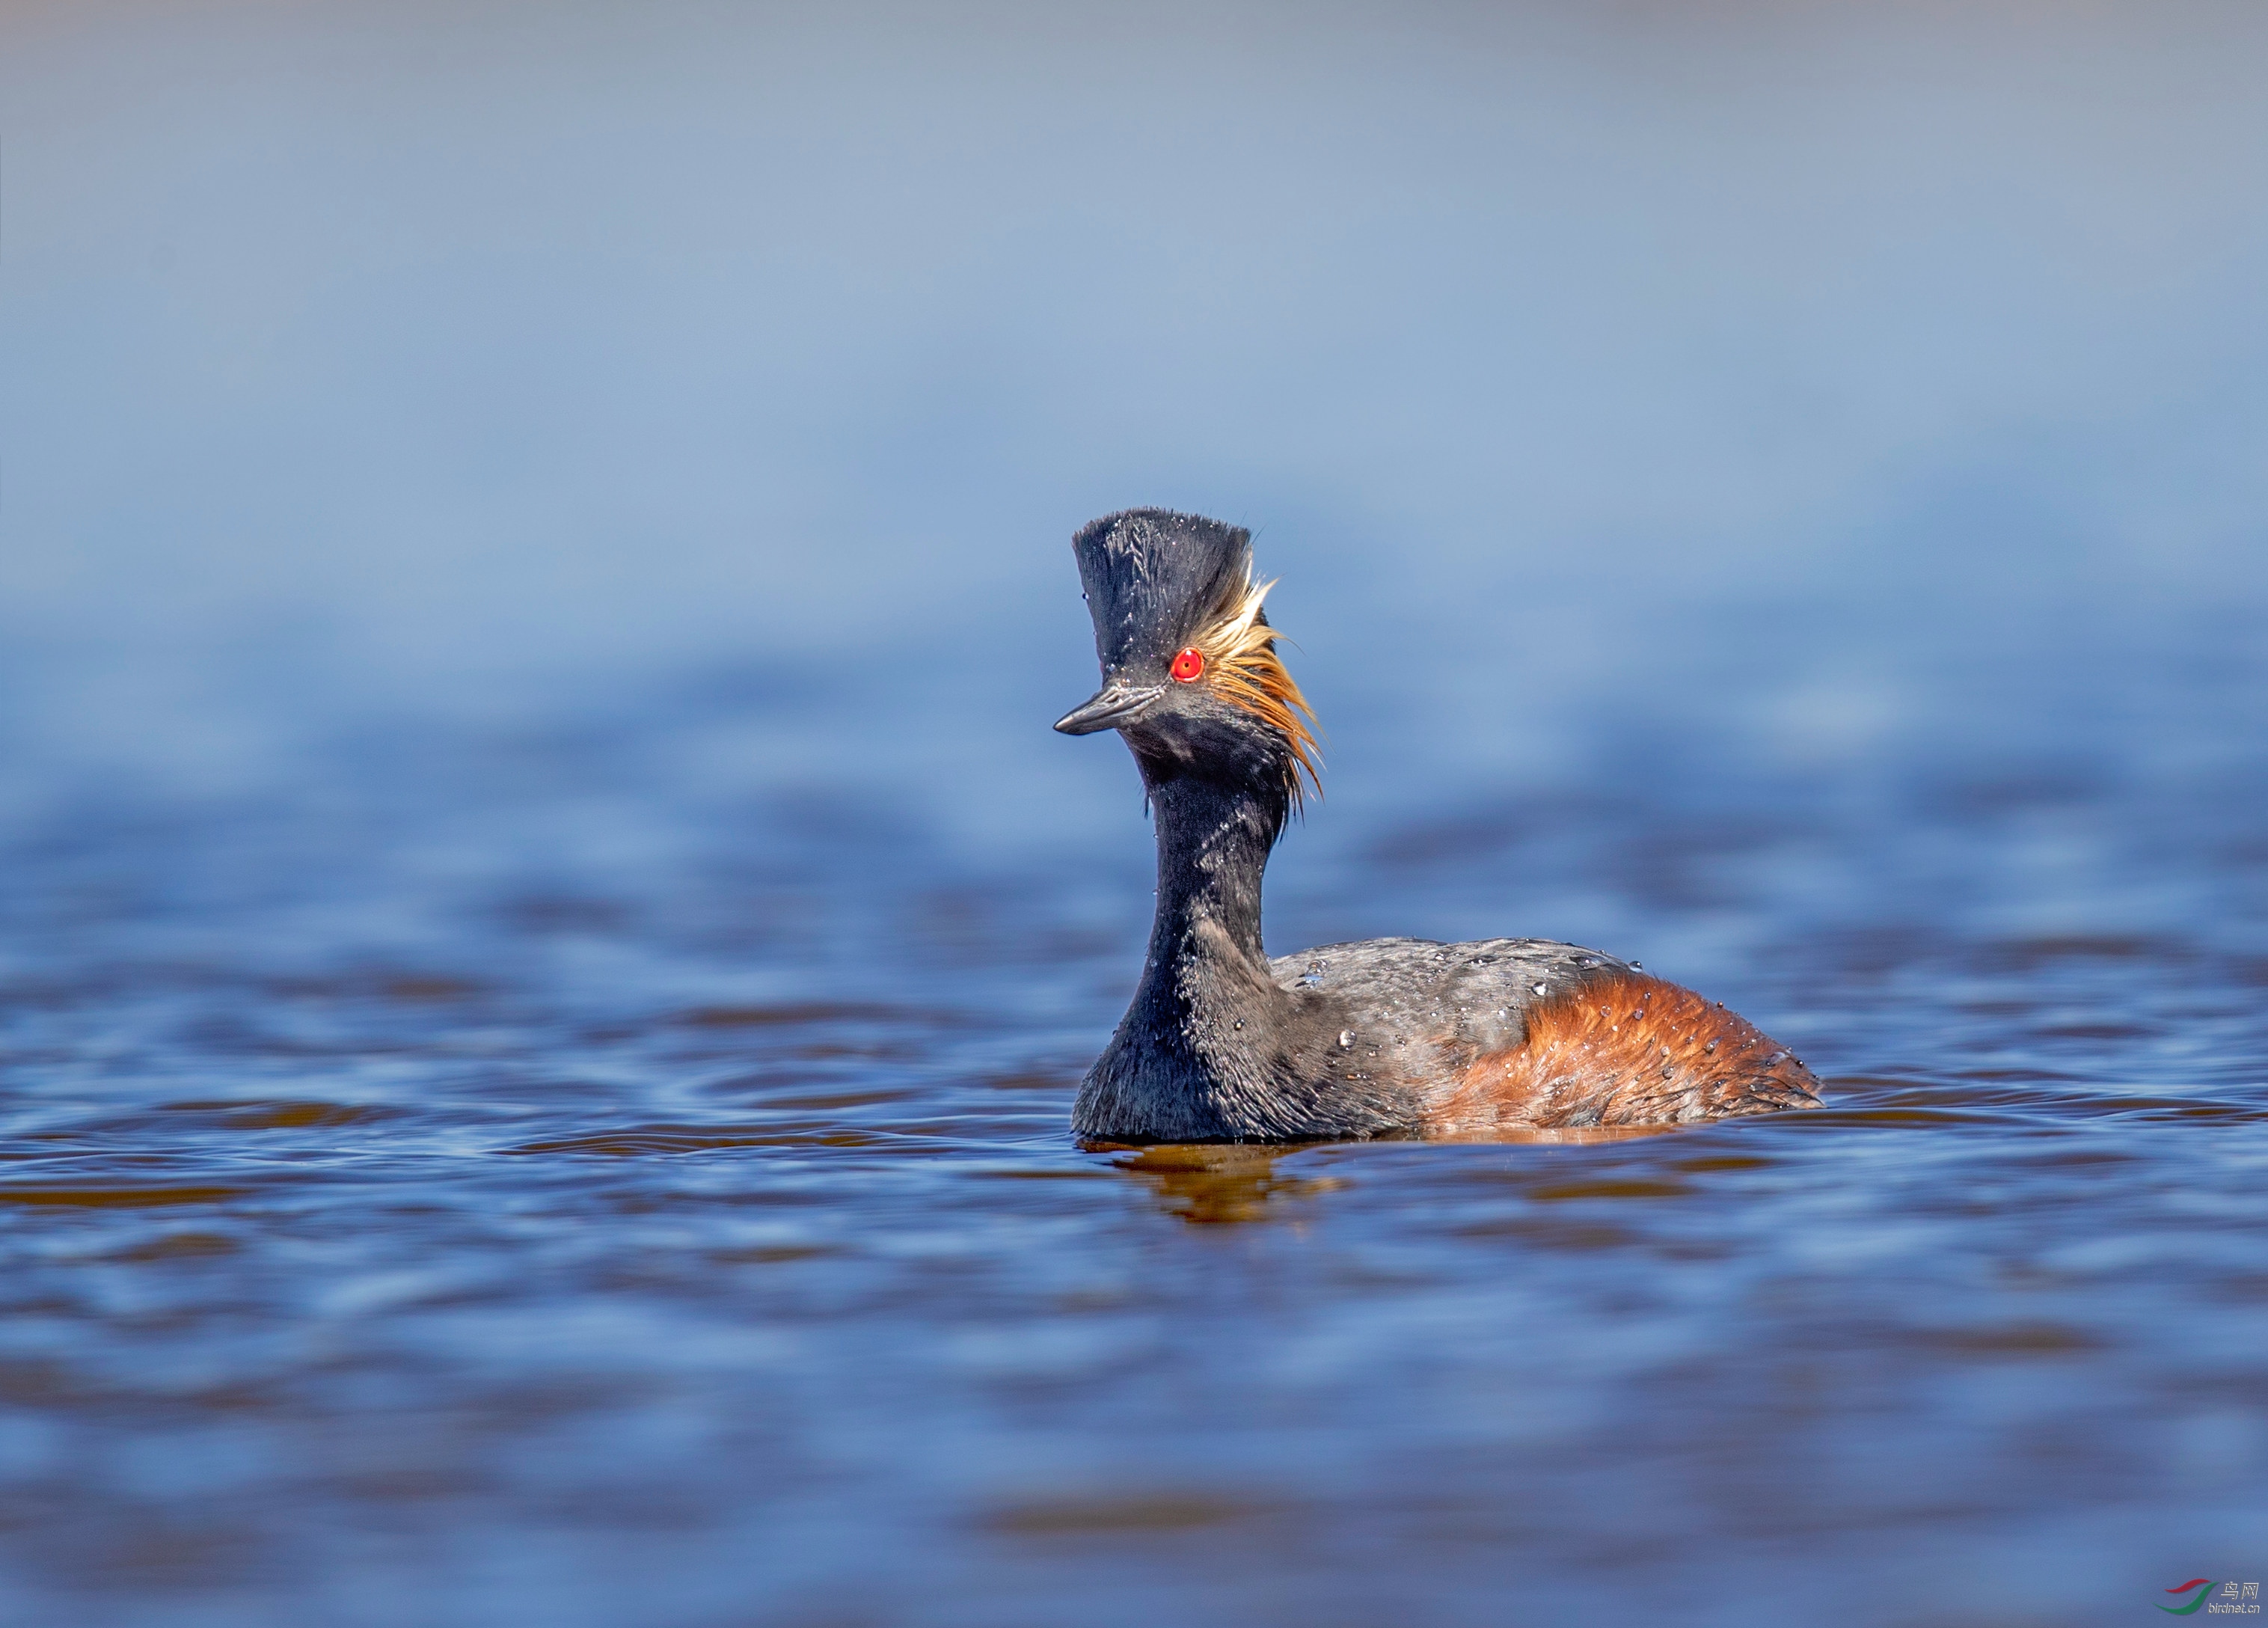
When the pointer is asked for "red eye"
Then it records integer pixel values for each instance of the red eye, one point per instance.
(1188, 666)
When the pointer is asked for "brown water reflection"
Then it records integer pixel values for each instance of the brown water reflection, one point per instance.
(1210, 1184)
(1207, 1184)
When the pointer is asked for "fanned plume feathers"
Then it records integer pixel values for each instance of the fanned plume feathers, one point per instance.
(1240, 660)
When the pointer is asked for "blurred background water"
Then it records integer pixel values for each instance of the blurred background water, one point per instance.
(545, 943)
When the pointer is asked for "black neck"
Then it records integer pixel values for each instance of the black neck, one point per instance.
(1210, 1050)
(1214, 838)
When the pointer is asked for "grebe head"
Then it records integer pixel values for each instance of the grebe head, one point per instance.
(1190, 677)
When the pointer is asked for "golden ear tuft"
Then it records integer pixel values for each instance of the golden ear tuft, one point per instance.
(1245, 671)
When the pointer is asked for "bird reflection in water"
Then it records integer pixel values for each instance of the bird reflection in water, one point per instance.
(1207, 1182)
(1221, 1181)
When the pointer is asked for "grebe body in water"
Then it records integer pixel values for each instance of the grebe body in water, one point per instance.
(1391, 1037)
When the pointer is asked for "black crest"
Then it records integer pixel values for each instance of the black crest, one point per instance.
(1152, 576)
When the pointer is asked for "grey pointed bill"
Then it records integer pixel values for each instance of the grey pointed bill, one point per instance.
(1113, 707)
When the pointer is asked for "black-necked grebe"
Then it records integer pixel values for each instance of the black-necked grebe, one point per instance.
(1391, 1037)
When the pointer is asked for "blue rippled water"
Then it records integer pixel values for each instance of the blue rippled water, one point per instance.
(546, 944)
